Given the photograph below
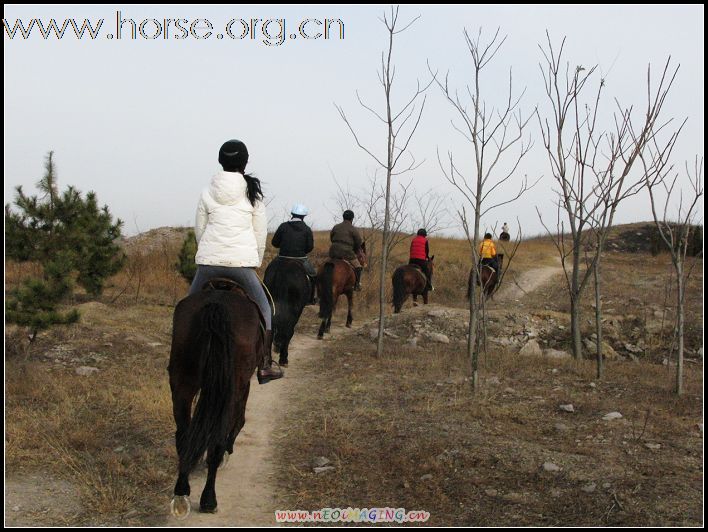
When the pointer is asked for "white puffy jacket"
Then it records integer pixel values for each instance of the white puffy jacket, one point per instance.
(230, 231)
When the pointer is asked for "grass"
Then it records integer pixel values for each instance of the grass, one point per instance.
(384, 422)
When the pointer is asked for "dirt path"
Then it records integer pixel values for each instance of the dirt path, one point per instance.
(514, 289)
(245, 488)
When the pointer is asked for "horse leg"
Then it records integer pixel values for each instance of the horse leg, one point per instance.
(207, 503)
(283, 360)
(415, 300)
(425, 297)
(350, 304)
(182, 410)
(323, 327)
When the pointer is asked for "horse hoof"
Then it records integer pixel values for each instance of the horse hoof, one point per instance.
(180, 506)
(348, 326)
(207, 509)
(283, 363)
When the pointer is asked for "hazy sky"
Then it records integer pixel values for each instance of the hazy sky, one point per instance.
(141, 121)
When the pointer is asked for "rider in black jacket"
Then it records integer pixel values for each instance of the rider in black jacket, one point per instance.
(294, 241)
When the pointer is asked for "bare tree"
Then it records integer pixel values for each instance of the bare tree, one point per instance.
(493, 134)
(401, 125)
(675, 227)
(592, 169)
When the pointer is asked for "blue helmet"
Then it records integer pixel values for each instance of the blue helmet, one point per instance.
(299, 210)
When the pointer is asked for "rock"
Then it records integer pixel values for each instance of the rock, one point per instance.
(555, 353)
(413, 342)
(513, 497)
(491, 492)
(633, 348)
(567, 408)
(589, 488)
(322, 470)
(86, 370)
(551, 467)
(494, 381)
(593, 385)
(606, 485)
(510, 391)
(15, 508)
(611, 416)
(438, 313)
(154, 344)
(560, 427)
(390, 334)
(320, 461)
(427, 476)
(119, 449)
(531, 348)
(373, 334)
(653, 446)
(607, 350)
(531, 333)
(437, 337)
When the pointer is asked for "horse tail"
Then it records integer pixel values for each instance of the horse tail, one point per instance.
(210, 423)
(399, 289)
(326, 297)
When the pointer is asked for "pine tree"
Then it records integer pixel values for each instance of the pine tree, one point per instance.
(186, 265)
(66, 234)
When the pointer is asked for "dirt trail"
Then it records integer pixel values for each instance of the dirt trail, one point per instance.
(514, 289)
(245, 488)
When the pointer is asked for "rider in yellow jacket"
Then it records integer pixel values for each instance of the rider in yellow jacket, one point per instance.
(488, 252)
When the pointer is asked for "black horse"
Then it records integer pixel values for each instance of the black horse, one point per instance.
(289, 286)
(217, 341)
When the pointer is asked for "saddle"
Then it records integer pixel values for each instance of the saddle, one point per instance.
(332, 261)
(229, 285)
(419, 269)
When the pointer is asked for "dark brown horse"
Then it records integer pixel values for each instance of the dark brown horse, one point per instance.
(410, 279)
(217, 339)
(487, 278)
(334, 278)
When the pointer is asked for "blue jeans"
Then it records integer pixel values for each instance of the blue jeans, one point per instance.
(245, 277)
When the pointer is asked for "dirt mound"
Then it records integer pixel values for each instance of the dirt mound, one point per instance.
(155, 239)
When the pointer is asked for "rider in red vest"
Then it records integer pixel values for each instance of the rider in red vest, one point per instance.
(420, 254)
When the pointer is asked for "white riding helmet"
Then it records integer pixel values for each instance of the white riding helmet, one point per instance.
(299, 209)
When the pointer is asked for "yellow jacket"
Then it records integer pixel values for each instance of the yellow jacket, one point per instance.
(488, 250)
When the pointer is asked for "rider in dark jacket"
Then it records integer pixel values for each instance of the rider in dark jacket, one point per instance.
(294, 241)
(346, 243)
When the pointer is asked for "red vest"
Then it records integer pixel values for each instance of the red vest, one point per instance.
(418, 248)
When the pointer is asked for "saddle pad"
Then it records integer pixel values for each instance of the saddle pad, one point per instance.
(229, 285)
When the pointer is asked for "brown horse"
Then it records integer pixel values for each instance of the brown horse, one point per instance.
(334, 278)
(487, 279)
(216, 342)
(410, 279)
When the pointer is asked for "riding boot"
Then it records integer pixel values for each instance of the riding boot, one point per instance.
(357, 284)
(266, 372)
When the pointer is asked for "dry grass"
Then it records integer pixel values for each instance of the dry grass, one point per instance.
(109, 433)
(386, 423)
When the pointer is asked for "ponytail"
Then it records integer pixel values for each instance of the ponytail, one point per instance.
(254, 192)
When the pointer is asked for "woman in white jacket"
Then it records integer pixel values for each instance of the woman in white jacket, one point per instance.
(231, 230)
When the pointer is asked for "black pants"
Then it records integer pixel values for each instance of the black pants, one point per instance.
(493, 262)
(423, 266)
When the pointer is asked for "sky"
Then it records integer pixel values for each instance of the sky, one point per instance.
(140, 121)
